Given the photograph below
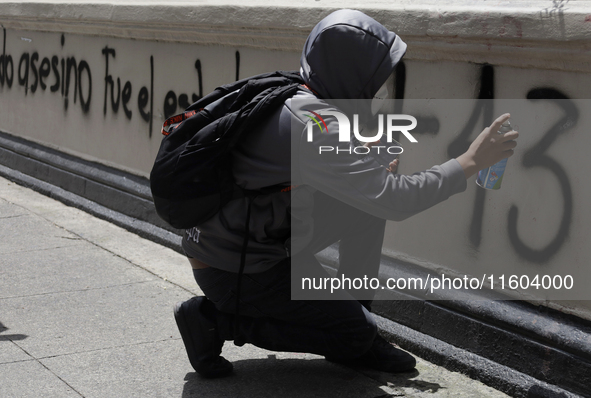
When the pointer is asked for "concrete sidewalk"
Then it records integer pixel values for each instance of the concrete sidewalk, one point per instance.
(86, 310)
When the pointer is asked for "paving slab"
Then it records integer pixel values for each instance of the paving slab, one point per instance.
(86, 320)
(86, 310)
(159, 260)
(10, 210)
(30, 232)
(9, 351)
(161, 370)
(30, 379)
(76, 267)
(154, 369)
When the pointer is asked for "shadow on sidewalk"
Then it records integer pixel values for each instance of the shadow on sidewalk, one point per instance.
(295, 378)
(10, 337)
(403, 380)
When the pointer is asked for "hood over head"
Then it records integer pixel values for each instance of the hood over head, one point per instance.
(349, 55)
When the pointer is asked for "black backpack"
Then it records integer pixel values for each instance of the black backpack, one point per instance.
(191, 179)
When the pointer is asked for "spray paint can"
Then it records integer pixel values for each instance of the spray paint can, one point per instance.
(491, 177)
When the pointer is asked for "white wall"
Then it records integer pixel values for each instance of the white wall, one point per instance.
(529, 44)
(111, 136)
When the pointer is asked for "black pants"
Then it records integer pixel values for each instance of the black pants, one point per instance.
(270, 319)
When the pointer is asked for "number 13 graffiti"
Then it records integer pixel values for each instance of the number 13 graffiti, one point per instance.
(533, 157)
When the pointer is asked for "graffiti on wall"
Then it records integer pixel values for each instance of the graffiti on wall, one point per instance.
(72, 80)
(536, 156)
(533, 157)
(32, 73)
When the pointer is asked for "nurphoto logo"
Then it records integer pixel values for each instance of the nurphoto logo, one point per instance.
(316, 119)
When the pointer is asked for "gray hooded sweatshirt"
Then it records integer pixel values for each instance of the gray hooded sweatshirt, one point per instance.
(348, 55)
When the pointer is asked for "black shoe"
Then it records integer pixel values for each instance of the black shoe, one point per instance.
(382, 356)
(201, 338)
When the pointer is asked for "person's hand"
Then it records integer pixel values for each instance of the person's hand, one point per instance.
(393, 165)
(488, 148)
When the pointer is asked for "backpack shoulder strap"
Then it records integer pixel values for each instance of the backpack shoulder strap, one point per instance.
(225, 89)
